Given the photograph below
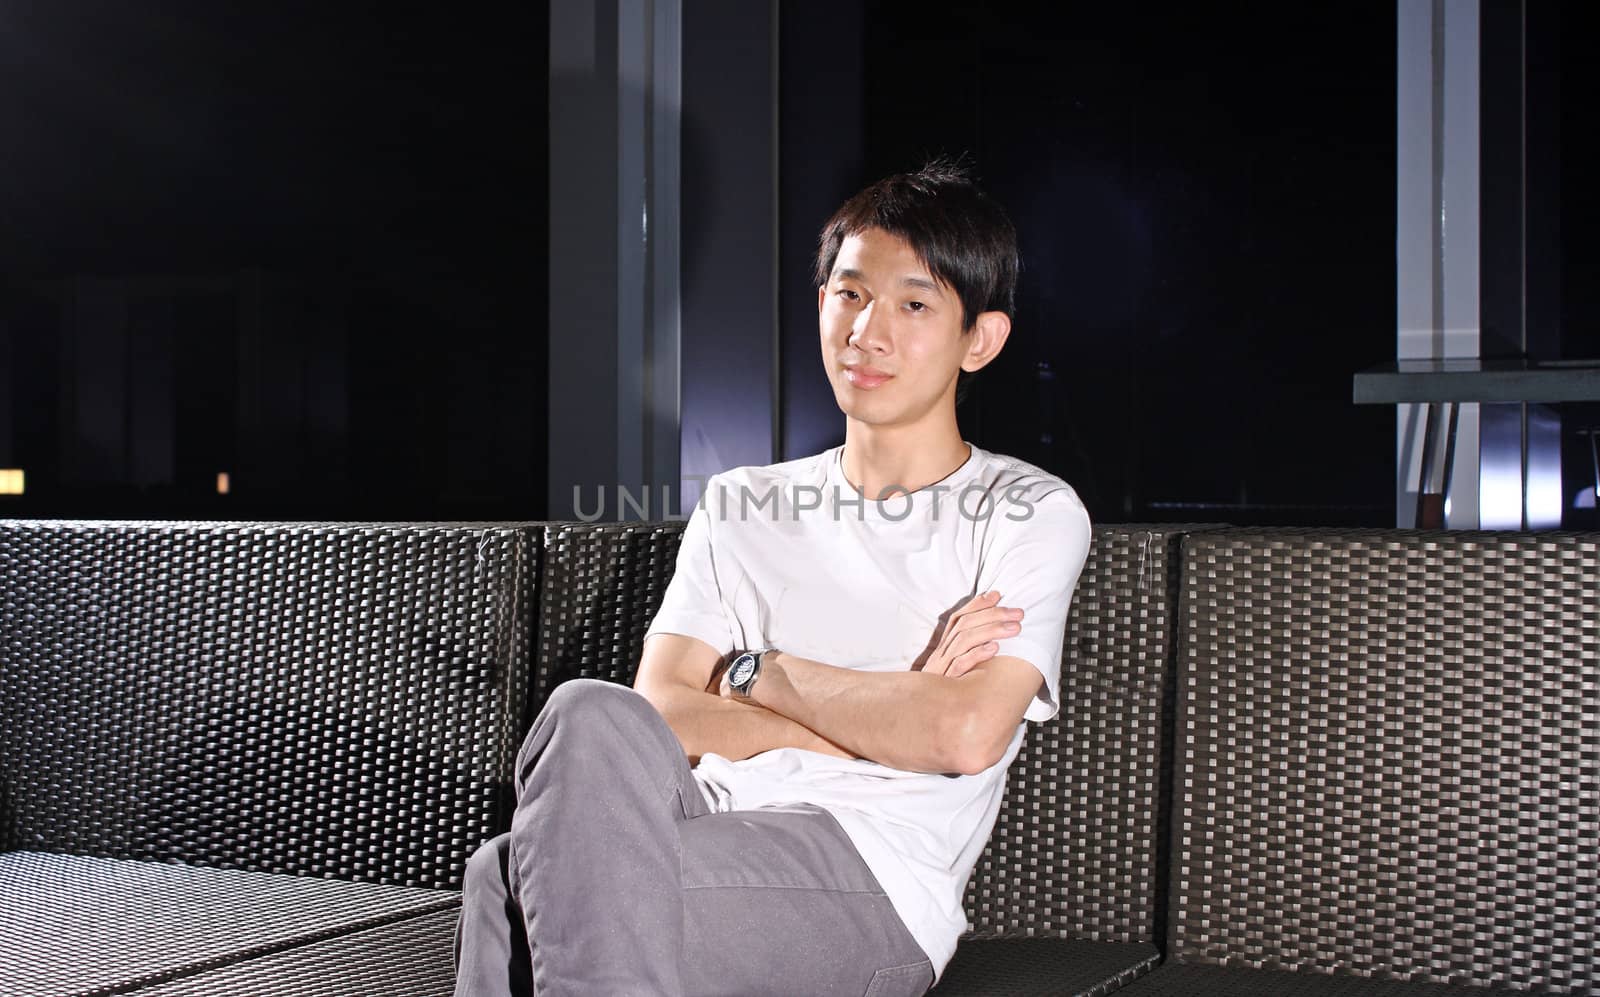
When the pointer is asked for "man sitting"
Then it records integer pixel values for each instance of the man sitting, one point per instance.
(792, 797)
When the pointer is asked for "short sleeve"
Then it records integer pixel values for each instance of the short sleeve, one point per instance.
(692, 605)
(1035, 566)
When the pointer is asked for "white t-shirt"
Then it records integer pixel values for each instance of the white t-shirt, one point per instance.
(790, 556)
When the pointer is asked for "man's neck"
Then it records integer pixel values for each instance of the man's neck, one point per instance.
(880, 462)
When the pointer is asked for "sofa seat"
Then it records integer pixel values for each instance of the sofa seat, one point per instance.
(1001, 966)
(73, 925)
(410, 958)
(1228, 981)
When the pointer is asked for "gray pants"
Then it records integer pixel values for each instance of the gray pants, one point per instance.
(616, 878)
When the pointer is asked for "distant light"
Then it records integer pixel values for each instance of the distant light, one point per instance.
(222, 482)
(11, 481)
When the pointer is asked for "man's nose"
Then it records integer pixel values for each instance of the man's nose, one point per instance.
(868, 332)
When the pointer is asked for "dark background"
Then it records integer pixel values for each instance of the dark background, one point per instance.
(306, 245)
(1205, 199)
(303, 244)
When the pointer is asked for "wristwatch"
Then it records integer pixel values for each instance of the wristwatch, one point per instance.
(744, 671)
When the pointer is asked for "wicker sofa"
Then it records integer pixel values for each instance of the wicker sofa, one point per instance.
(252, 758)
(239, 755)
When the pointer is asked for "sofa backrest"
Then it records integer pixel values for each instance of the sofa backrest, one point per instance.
(1074, 852)
(1389, 756)
(323, 699)
(599, 587)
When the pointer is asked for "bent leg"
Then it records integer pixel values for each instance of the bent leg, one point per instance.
(491, 946)
(602, 785)
(778, 901)
(627, 884)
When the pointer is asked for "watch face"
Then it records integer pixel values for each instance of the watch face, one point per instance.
(740, 673)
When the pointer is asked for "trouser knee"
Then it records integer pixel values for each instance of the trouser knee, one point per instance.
(590, 707)
(586, 698)
(596, 718)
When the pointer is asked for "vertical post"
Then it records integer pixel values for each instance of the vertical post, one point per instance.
(1520, 467)
(1437, 231)
(613, 256)
(664, 416)
(665, 359)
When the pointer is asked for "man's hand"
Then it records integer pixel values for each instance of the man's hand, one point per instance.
(971, 635)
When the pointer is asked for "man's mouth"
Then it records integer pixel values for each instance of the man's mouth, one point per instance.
(864, 377)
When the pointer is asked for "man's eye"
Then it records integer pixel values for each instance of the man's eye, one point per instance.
(849, 295)
(916, 306)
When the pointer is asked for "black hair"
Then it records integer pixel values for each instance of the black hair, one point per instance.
(959, 233)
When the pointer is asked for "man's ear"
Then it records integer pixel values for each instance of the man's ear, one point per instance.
(822, 296)
(985, 340)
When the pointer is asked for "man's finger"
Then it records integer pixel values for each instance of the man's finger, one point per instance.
(998, 615)
(956, 624)
(995, 626)
(972, 659)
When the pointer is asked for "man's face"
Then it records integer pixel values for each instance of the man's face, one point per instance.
(882, 312)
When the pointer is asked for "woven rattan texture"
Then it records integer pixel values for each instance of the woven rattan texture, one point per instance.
(319, 699)
(1216, 981)
(1073, 853)
(73, 925)
(1035, 967)
(411, 958)
(600, 588)
(1391, 756)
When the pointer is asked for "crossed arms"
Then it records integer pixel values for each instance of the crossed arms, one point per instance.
(955, 714)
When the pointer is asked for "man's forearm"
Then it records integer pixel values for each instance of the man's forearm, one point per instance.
(904, 719)
(706, 723)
